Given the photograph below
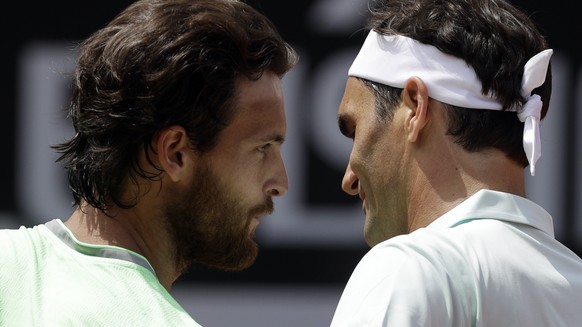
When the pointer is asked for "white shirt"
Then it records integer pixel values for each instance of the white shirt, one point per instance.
(491, 261)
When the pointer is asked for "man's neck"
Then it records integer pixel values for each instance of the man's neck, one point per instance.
(129, 230)
(457, 178)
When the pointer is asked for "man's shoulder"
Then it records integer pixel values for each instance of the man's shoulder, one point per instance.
(430, 253)
(21, 239)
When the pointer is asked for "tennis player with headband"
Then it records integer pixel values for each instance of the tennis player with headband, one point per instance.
(444, 104)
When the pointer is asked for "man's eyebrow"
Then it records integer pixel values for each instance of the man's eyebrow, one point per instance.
(275, 138)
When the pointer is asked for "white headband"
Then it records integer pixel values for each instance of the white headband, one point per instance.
(393, 59)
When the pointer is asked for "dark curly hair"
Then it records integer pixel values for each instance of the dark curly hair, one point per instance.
(493, 37)
(160, 63)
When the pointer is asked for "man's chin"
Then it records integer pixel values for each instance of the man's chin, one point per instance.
(247, 260)
(238, 258)
(240, 265)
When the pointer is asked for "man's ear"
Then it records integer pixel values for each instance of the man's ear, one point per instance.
(415, 97)
(174, 152)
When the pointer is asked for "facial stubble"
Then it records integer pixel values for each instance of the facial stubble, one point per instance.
(211, 226)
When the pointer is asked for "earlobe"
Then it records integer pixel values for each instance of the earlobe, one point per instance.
(415, 97)
(172, 151)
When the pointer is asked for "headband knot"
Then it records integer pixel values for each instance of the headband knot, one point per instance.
(393, 59)
(530, 114)
(534, 75)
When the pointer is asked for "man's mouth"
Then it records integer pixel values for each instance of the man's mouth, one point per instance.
(362, 195)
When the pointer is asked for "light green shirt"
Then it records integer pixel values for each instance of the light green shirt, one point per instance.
(48, 278)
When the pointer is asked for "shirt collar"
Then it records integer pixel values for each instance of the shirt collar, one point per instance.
(105, 251)
(488, 204)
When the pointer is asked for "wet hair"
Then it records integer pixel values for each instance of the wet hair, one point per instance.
(493, 37)
(160, 63)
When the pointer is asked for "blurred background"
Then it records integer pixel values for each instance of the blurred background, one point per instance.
(310, 245)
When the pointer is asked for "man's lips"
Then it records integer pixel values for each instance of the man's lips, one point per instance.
(362, 195)
(262, 210)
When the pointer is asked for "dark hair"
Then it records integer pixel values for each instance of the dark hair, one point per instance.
(160, 63)
(493, 37)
